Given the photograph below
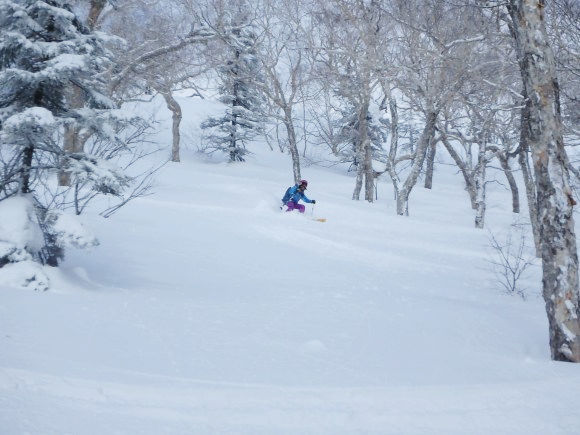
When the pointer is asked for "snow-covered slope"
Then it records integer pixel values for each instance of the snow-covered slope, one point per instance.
(207, 310)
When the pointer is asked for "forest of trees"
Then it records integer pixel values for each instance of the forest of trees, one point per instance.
(383, 85)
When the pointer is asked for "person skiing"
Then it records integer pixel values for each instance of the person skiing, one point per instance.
(294, 194)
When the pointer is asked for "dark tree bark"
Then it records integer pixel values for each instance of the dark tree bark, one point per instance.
(430, 165)
(364, 157)
(507, 170)
(27, 155)
(529, 182)
(467, 176)
(95, 11)
(420, 152)
(394, 145)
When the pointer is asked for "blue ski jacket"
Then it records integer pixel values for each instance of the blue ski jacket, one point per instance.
(294, 195)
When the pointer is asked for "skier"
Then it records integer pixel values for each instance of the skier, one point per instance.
(294, 194)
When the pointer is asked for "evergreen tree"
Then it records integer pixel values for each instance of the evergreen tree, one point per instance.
(349, 131)
(44, 51)
(242, 120)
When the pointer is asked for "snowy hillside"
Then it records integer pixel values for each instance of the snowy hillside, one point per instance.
(206, 310)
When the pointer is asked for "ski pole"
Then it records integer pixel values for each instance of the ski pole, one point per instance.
(312, 212)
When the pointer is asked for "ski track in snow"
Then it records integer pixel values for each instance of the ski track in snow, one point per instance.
(206, 310)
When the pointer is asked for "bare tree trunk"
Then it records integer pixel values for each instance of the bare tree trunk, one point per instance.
(507, 170)
(176, 114)
(554, 196)
(95, 11)
(292, 145)
(394, 143)
(72, 142)
(479, 184)
(430, 165)
(27, 155)
(361, 153)
(467, 176)
(420, 151)
(358, 183)
(369, 173)
(278, 141)
(529, 182)
(530, 186)
(394, 129)
(367, 162)
(69, 146)
(234, 155)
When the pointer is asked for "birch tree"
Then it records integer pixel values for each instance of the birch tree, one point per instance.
(351, 33)
(282, 26)
(479, 122)
(163, 52)
(430, 69)
(554, 196)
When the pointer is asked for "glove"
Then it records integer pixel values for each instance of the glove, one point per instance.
(313, 201)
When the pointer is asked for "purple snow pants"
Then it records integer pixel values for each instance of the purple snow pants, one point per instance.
(292, 206)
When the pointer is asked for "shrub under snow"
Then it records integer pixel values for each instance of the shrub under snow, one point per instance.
(23, 241)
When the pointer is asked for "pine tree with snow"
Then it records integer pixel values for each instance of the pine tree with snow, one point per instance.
(44, 50)
(243, 118)
(349, 135)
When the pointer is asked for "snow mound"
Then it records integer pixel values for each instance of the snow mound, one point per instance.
(20, 234)
(70, 232)
(25, 274)
(20, 240)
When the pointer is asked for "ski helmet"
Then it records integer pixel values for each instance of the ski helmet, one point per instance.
(303, 183)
